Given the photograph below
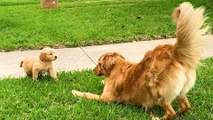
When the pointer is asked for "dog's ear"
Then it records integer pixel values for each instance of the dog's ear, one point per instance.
(176, 14)
(117, 54)
(42, 56)
(109, 63)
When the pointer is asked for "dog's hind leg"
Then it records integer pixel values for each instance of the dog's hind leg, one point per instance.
(183, 103)
(170, 113)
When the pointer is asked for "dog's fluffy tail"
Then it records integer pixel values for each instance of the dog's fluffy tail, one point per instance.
(21, 63)
(190, 34)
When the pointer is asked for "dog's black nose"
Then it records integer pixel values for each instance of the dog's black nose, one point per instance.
(55, 57)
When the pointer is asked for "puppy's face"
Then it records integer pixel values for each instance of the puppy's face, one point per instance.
(47, 54)
(106, 63)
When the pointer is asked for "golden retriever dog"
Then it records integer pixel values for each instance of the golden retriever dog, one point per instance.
(166, 73)
(35, 66)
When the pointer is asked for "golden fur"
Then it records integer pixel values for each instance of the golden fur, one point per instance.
(33, 66)
(166, 73)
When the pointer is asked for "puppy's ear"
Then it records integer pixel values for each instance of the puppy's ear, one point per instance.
(176, 14)
(42, 56)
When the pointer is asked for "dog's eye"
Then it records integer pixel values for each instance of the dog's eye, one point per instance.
(51, 54)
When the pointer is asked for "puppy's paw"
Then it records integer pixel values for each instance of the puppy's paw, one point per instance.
(56, 79)
(35, 80)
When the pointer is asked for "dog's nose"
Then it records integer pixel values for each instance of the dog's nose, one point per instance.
(55, 57)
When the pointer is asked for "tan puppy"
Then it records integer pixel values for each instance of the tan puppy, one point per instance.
(34, 66)
(165, 73)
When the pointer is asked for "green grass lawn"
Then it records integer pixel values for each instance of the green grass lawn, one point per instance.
(24, 99)
(24, 25)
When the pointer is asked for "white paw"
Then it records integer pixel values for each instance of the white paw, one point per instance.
(75, 92)
(103, 82)
(153, 117)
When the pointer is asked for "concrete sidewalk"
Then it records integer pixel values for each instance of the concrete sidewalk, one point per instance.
(79, 58)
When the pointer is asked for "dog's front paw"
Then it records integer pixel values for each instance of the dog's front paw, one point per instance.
(76, 93)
